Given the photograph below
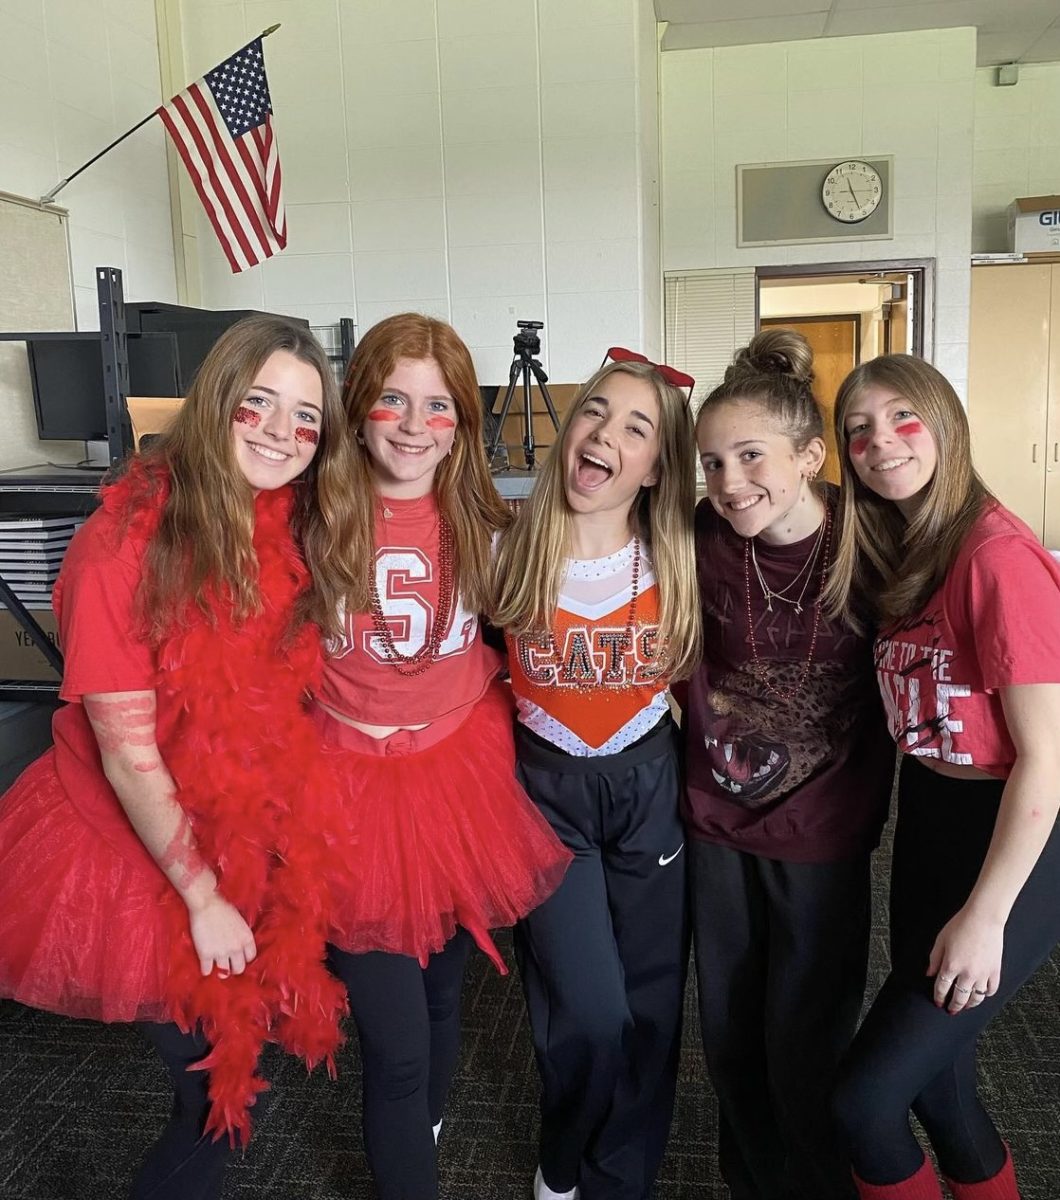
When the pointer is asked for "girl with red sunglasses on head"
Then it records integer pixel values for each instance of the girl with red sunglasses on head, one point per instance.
(788, 775)
(968, 659)
(445, 844)
(596, 594)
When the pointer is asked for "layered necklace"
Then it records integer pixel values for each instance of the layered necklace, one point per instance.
(426, 656)
(821, 550)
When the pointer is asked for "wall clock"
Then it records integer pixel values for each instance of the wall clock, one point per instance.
(852, 191)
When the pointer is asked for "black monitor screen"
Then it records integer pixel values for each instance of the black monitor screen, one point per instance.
(66, 370)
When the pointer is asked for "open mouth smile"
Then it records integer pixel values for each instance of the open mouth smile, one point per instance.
(891, 464)
(275, 456)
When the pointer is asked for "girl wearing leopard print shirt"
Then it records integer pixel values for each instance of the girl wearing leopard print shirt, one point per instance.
(788, 775)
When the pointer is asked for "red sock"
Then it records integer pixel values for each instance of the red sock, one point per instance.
(921, 1186)
(1001, 1186)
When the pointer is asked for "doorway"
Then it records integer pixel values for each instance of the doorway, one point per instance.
(849, 313)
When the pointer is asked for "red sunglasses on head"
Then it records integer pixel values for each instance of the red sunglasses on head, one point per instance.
(679, 379)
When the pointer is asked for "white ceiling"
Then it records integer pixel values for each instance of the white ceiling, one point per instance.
(1009, 30)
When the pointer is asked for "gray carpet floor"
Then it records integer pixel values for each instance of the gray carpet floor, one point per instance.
(80, 1102)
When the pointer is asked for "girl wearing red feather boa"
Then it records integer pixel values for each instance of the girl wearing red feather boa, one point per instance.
(420, 734)
(164, 862)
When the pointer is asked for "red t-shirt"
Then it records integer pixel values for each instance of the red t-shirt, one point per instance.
(95, 602)
(994, 623)
(805, 778)
(359, 680)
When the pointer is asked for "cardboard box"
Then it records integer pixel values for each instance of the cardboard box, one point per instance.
(1034, 225)
(19, 656)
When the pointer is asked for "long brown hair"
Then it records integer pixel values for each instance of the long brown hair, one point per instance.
(462, 484)
(204, 542)
(887, 568)
(534, 552)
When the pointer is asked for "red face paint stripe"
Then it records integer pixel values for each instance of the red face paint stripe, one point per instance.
(383, 414)
(247, 416)
(859, 444)
(440, 422)
(909, 428)
(304, 434)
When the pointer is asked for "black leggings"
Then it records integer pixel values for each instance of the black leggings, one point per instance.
(910, 1054)
(408, 1023)
(182, 1164)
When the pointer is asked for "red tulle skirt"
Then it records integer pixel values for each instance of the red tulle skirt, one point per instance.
(82, 929)
(445, 837)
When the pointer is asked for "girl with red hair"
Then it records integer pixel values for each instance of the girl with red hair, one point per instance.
(447, 844)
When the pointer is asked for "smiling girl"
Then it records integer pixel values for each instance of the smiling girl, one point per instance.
(596, 591)
(166, 861)
(788, 776)
(968, 660)
(447, 845)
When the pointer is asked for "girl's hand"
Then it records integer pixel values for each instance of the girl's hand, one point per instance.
(966, 960)
(221, 937)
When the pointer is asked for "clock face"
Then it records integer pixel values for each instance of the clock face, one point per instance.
(852, 191)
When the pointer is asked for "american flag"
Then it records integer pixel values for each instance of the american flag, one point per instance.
(221, 126)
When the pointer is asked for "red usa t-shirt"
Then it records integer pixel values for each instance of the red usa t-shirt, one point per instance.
(359, 680)
(994, 623)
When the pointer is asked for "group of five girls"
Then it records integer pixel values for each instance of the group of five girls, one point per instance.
(289, 783)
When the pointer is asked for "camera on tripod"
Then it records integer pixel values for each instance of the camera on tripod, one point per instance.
(524, 364)
(527, 343)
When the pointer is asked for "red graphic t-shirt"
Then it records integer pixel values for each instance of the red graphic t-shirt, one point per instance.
(994, 623)
(359, 680)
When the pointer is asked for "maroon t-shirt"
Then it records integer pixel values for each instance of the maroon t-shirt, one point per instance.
(805, 778)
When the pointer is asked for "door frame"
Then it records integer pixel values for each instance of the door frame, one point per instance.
(921, 270)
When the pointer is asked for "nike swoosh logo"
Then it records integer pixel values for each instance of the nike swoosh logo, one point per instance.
(665, 861)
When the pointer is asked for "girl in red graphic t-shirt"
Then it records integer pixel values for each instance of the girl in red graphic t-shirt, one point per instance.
(968, 657)
(419, 732)
(165, 862)
(788, 775)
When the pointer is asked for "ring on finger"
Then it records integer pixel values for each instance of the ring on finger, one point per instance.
(979, 991)
(962, 990)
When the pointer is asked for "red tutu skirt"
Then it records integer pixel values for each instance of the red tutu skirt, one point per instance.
(82, 928)
(445, 837)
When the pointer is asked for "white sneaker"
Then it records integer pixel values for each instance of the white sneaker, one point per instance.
(543, 1192)
(437, 1130)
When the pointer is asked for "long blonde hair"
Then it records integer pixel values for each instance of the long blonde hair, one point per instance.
(533, 554)
(887, 568)
(462, 484)
(204, 542)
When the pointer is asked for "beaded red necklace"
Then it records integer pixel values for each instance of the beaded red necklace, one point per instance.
(426, 656)
(760, 667)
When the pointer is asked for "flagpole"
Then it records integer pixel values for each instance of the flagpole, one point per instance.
(50, 196)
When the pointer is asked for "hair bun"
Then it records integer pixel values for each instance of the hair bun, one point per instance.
(774, 352)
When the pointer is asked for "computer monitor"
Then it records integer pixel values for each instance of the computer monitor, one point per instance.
(66, 373)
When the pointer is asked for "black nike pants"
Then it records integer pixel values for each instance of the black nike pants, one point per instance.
(603, 963)
(781, 961)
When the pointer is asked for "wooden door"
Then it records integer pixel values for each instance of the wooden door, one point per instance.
(1008, 381)
(1051, 532)
(835, 342)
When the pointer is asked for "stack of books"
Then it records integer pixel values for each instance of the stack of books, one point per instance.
(31, 553)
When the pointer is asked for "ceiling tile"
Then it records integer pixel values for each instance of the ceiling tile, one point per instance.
(1046, 48)
(702, 12)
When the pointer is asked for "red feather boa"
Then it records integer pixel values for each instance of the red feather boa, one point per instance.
(245, 759)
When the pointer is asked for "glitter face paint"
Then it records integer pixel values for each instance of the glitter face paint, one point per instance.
(383, 414)
(304, 434)
(247, 416)
(440, 422)
(118, 723)
(859, 444)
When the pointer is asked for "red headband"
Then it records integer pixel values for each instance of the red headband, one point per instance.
(679, 379)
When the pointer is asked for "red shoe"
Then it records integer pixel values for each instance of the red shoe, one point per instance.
(921, 1186)
(1001, 1186)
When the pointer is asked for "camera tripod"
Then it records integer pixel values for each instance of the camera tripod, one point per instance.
(524, 363)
